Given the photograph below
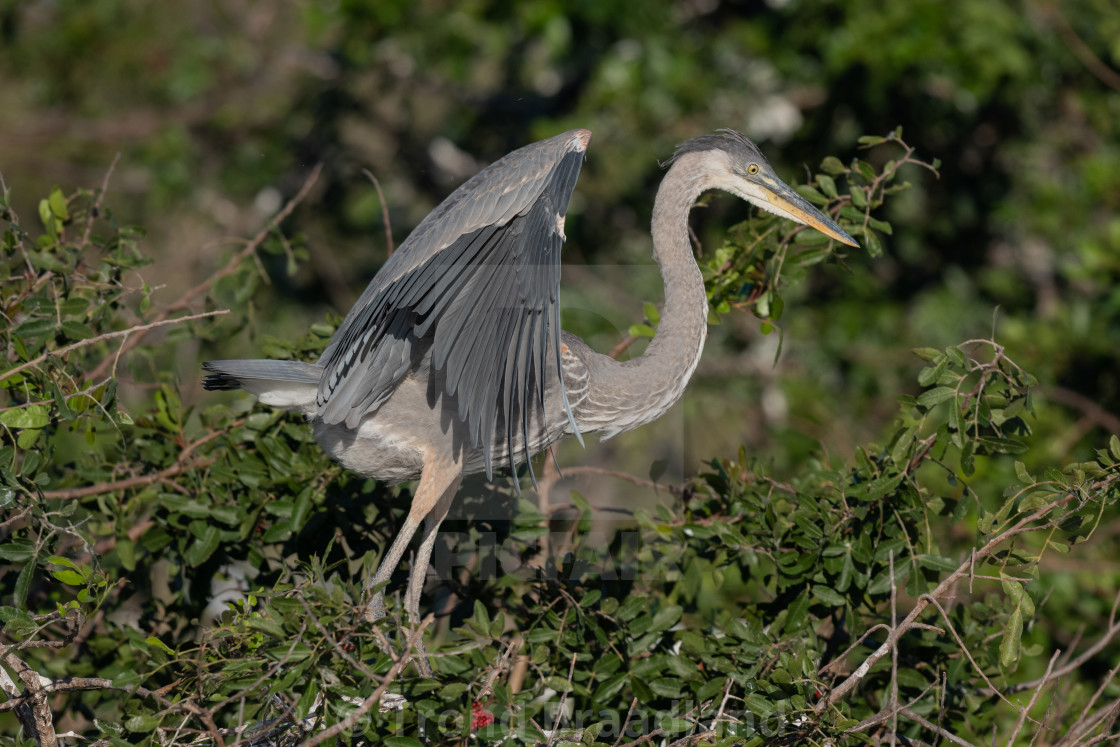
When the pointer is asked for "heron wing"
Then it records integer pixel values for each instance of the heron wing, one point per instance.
(476, 284)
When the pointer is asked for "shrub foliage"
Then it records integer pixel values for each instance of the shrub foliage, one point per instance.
(178, 574)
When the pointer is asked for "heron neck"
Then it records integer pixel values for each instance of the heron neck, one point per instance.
(655, 380)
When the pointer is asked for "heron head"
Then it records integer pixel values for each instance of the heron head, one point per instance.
(734, 164)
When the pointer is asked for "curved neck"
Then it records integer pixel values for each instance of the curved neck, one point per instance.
(641, 390)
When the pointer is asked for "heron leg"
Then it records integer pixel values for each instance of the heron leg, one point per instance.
(419, 572)
(440, 476)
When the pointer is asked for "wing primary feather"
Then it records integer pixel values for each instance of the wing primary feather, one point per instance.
(475, 287)
(560, 373)
(522, 394)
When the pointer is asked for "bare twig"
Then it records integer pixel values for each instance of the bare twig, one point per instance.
(1075, 664)
(384, 212)
(1081, 50)
(1025, 524)
(626, 721)
(1023, 715)
(907, 713)
(191, 295)
(353, 717)
(95, 208)
(138, 330)
(563, 700)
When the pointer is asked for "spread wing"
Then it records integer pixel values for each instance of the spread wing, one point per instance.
(477, 283)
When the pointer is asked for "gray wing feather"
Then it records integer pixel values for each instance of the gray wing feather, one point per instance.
(476, 285)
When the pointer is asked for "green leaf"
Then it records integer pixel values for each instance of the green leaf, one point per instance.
(859, 196)
(46, 217)
(828, 596)
(72, 578)
(142, 723)
(33, 416)
(641, 330)
(17, 550)
(58, 204)
(590, 598)
(872, 244)
(828, 186)
(833, 165)
(126, 551)
(812, 195)
(666, 618)
(634, 604)
(936, 396)
(157, 643)
(17, 623)
(203, 547)
(76, 330)
(1011, 644)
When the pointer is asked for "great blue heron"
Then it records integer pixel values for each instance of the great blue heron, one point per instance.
(452, 361)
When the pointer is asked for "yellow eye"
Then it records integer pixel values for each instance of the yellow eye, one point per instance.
(752, 169)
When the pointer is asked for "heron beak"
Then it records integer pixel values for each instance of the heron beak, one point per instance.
(785, 202)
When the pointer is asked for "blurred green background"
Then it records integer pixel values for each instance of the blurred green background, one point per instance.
(220, 109)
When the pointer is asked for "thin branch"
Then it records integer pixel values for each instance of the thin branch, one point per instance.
(1023, 525)
(353, 717)
(1074, 665)
(384, 212)
(139, 331)
(588, 470)
(96, 206)
(626, 721)
(189, 297)
(906, 712)
(1081, 50)
(132, 482)
(1030, 703)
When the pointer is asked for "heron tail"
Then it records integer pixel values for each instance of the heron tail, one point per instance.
(291, 385)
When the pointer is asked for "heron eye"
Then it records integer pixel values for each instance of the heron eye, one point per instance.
(752, 169)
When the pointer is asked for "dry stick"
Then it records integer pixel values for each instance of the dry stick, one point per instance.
(375, 696)
(692, 739)
(1030, 703)
(384, 212)
(511, 648)
(1080, 729)
(626, 721)
(890, 712)
(93, 210)
(182, 464)
(185, 300)
(935, 728)
(338, 649)
(641, 481)
(37, 717)
(1081, 50)
(894, 651)
(563, 699)
(1113, 629)
(968, 654)
(132, 482)
(267, 674)
(1105, 682)
(1022, 526)
(141, 330)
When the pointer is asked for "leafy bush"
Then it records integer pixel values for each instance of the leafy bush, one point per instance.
(192, 574)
